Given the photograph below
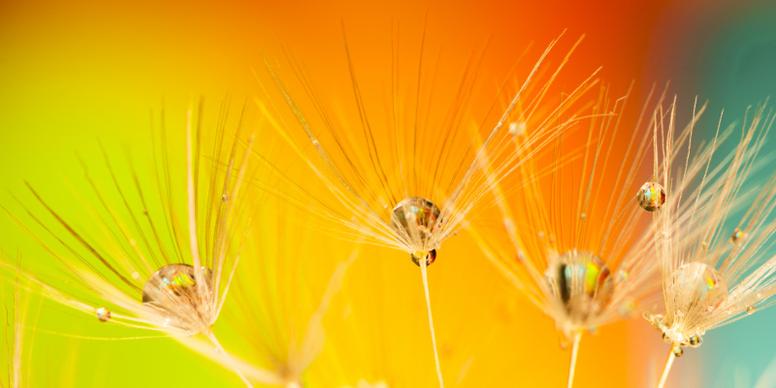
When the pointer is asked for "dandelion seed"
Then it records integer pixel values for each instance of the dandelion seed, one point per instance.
(707, 282)
(363, 170)
(291, 338)
(156, 272)
(586, 262)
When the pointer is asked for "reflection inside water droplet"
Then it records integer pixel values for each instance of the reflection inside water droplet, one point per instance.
(651, 196)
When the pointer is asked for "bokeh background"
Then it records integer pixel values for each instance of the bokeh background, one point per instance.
(75, 73)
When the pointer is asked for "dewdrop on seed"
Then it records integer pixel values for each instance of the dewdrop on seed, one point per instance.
(651, 196)
(417, 219)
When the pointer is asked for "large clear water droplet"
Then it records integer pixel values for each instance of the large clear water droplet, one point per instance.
(651, 196)
(173, 282)
(182, 298)
(416, 220)
(581, 281)
(697, 285)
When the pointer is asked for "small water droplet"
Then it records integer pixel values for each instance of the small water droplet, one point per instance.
(417, 220)
(737, 236)
(224, 197)
(750, 310)
(583, 216)
(517, 128)
(103, 314)
(651, 196)
(429, 256)
(694, 340)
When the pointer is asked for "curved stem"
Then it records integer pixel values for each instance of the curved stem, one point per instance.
(424, 274)
(667, 368)
(217, 344)
(573, 363)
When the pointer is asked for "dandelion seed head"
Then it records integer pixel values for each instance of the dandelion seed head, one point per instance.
(696, 290)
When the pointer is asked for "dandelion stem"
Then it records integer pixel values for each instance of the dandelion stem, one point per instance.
(424, 274)
(217, 344)
(667, 368)
(573, 363)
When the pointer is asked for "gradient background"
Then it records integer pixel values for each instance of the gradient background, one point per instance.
(74, 72)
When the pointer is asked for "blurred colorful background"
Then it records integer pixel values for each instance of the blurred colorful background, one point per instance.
(76, 73)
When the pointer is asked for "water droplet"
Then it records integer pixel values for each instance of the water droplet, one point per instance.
(737, 236)
(678, 351)
(583, 216)
(135, 275)
(750, 310)
(224, 197)
(581, 280)
(172, 283)
(416, 220)
(697, 285)
(517, 128)
(651, 196)
(181, 298)
(428, 256)
(694, 340)
(103, 314)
